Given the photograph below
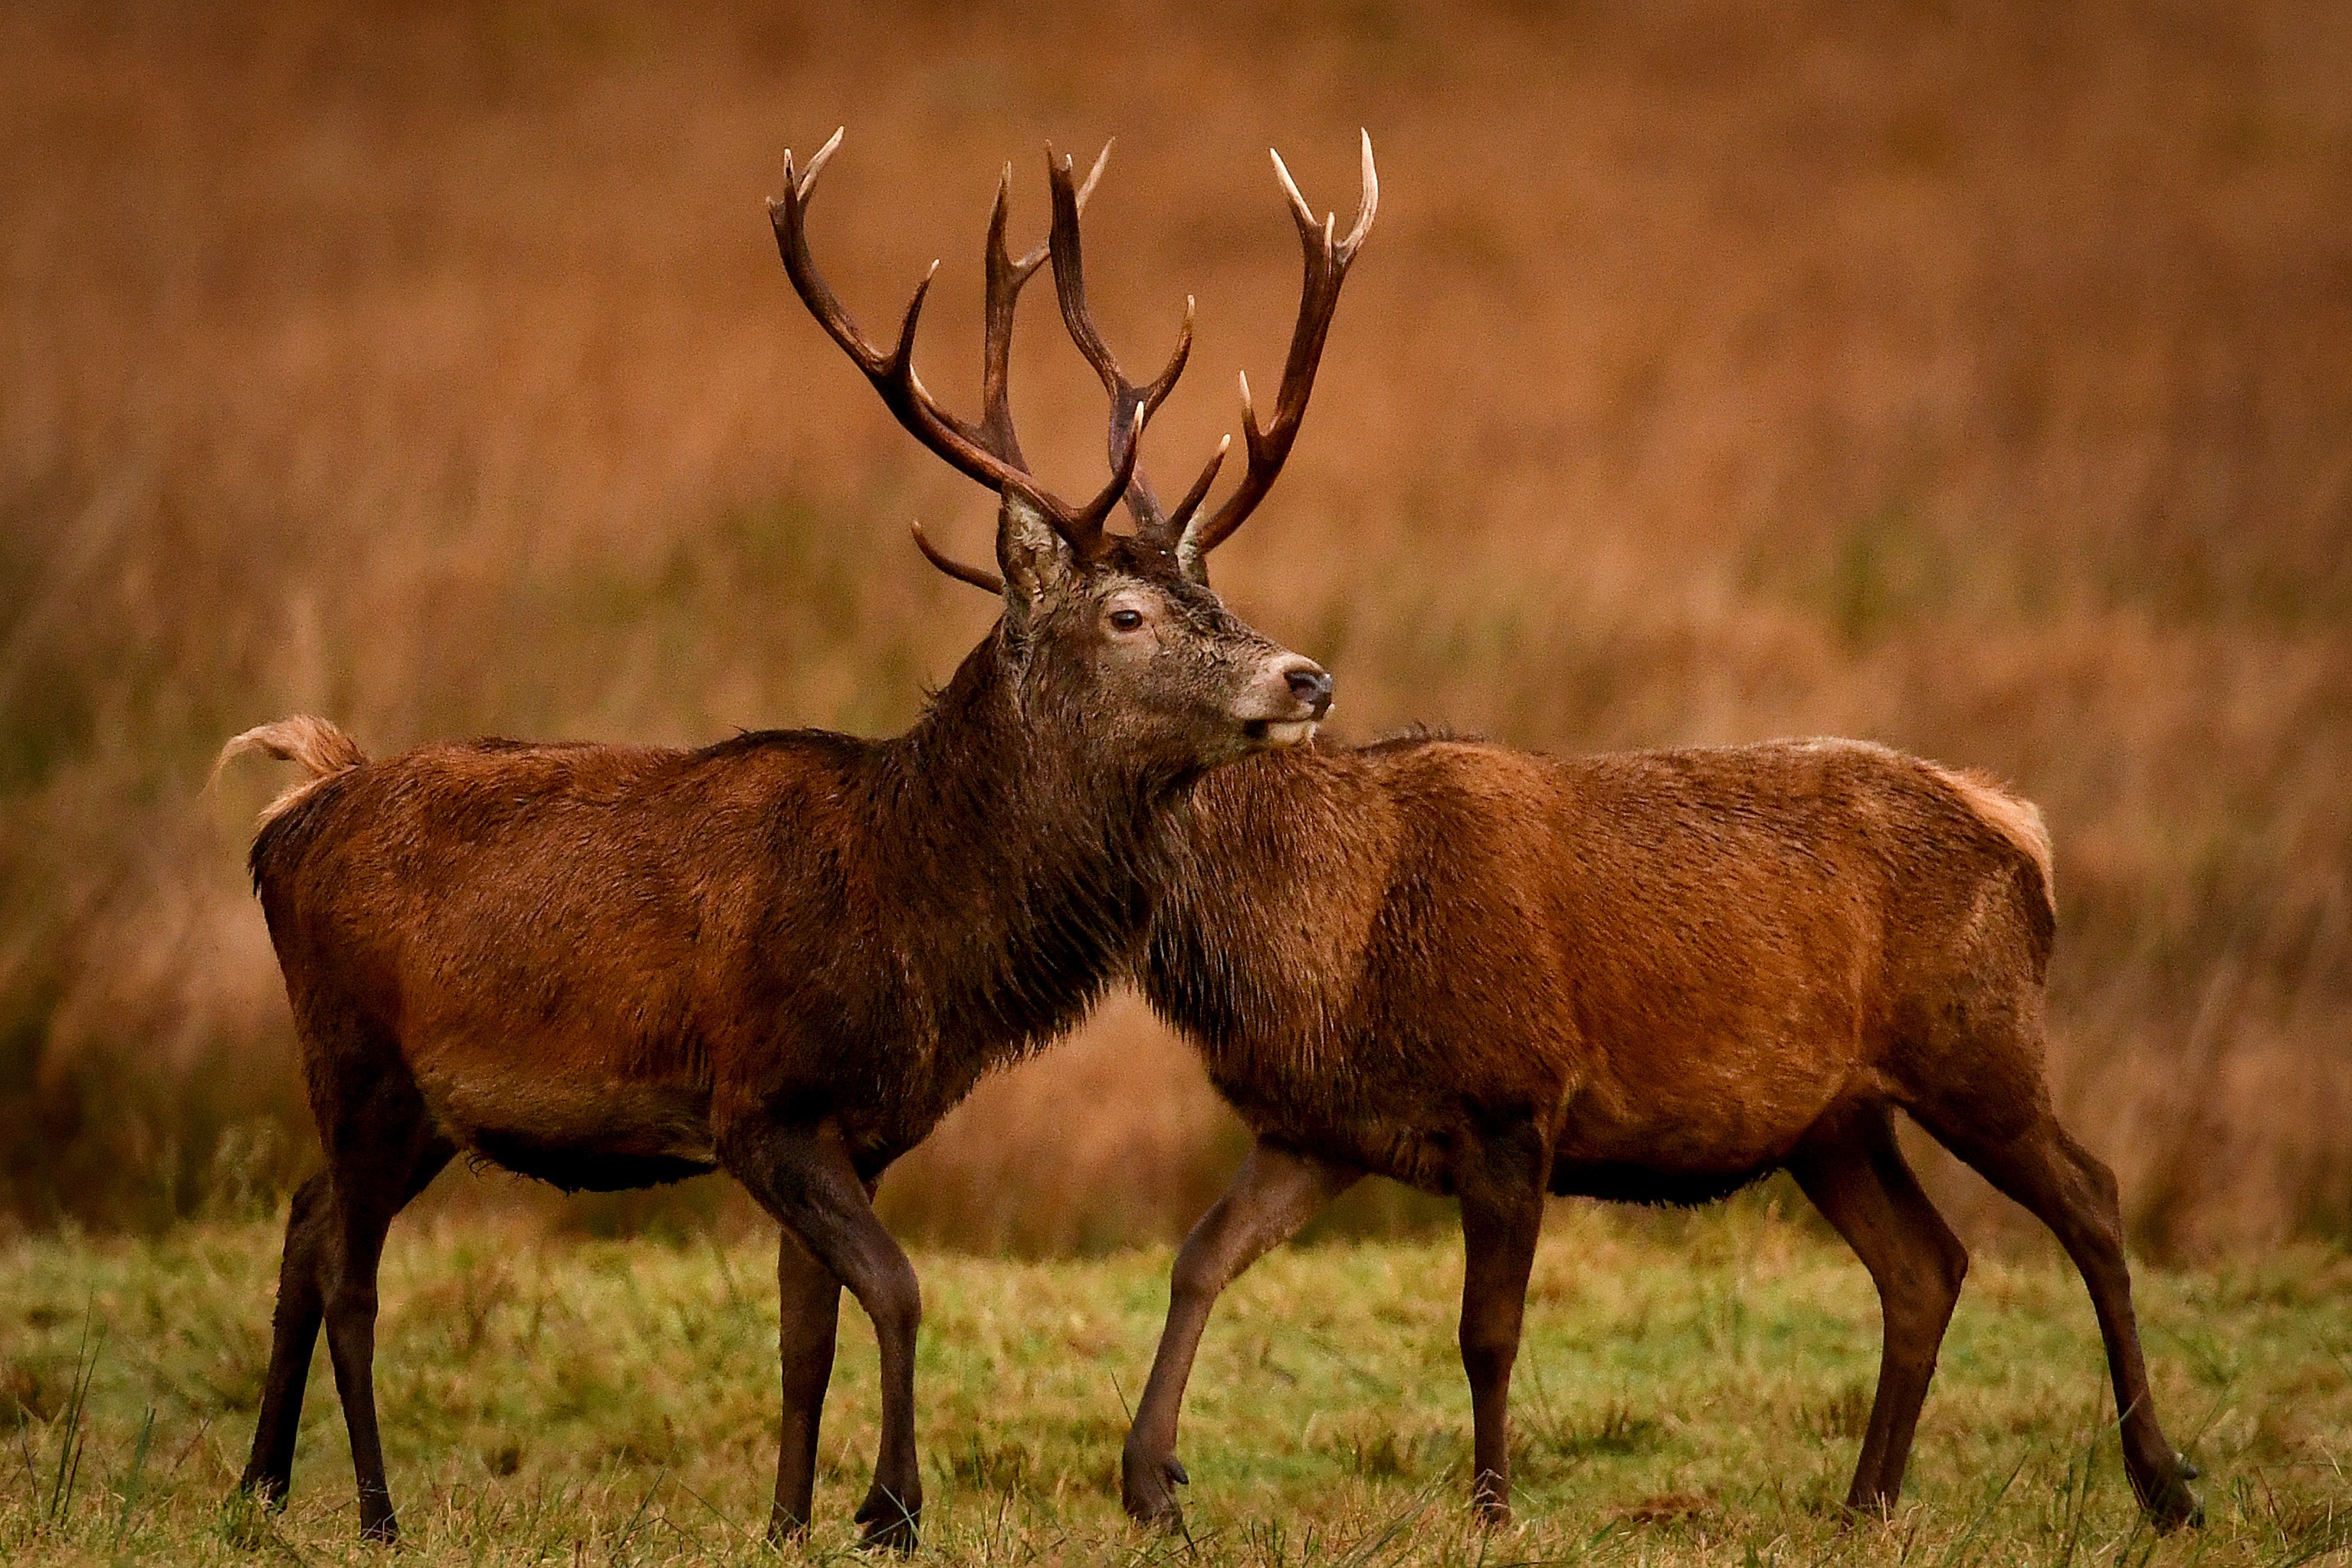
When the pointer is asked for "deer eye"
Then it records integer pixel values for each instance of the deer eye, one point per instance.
(1126, 620)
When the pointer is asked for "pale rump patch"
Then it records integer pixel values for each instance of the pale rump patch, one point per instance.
(2017, 820)
(323, 750)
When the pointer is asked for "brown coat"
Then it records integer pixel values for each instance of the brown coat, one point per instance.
(594, 958)
(1673, 962)
(1654, 976)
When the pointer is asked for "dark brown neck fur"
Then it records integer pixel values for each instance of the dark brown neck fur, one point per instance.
(1015, 865)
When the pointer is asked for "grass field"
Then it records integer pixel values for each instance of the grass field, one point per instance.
(1691, 1393)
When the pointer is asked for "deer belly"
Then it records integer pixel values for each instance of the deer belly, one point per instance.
(581, 1135)
(1678, 1127)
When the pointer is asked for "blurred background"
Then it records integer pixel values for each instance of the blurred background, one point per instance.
(1976, 377)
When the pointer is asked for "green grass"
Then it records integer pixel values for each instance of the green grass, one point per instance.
(1691, 1392)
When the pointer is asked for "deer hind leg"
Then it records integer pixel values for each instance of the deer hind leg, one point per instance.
(1855, 1174)
(1502, 1185)
(2068, 1188)
(1275, 1191)
(382, 1150)
(805, 1178)
(294, 1333)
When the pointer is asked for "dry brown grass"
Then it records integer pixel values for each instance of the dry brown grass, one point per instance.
(1971, 377)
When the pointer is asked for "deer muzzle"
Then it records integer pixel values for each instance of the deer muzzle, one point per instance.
(1288, 703)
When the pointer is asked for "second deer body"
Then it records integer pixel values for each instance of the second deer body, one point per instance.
(1653, 976)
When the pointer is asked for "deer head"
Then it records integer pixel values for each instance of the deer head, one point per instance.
(1119, 632)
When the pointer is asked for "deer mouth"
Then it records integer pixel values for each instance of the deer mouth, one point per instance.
(1279, 733)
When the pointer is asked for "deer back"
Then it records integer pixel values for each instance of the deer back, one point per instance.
(1418, 934)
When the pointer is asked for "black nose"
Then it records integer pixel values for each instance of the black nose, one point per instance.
(1313, 687)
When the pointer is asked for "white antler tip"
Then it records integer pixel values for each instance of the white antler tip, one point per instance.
(1305, 214)
(1371, 202)
(1095, 174)
(815, 165)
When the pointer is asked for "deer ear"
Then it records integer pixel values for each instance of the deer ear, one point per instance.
(1191, 559)
(1034, 558)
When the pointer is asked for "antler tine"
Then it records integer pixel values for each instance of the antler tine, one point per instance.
(1132, 407)
(1368, 203)
(1327, 268)
(1182, 517)
(815, 164)
(1030, 262)
(1006, 279)
(978, 576)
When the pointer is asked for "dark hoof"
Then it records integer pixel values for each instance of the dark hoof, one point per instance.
(244, 1519)
(1147, 1491)
(264, 1491)
(377, 1526)
(889, 1523)
(268, 1490)
(2189, 1473)
(2173, 1506)
(1856, 1512)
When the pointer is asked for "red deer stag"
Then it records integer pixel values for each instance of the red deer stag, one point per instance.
(785, 955)
(1652, 977)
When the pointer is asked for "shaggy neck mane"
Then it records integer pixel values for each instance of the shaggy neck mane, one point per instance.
(1016, 863)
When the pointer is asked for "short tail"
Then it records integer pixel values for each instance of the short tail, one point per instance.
(2017, 819)
(321, 749)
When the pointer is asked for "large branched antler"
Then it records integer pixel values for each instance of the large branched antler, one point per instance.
(987, 451)
(1180, 530)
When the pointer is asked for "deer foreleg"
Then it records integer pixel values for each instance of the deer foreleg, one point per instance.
(1275, 1191)
(805, 1177)
(810, 1299)
(1502, 1215)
